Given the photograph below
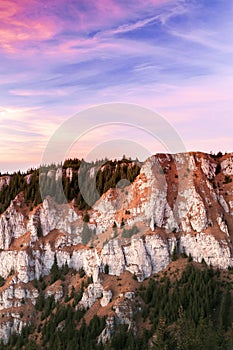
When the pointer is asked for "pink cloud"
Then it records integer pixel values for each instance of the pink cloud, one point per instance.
(29, 22)
(18, 24)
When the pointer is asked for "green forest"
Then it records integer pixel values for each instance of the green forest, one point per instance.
(108, 174)
(192, 312)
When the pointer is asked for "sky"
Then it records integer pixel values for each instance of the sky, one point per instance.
(60, 57)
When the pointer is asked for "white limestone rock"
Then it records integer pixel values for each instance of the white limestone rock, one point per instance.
(112, 255)
(76, 260)
(146, 199)
(124, 310)
(227, 166)
(158, 252)
(107, 297)
(69, 173)
(108, 331)
(28, 178)
(58, 175)
(206, 246)
(62, 218)
(57, 293)
(14, 325)
(51, 173)
(137, 260)
(223, 203)
(130, 295)
(105, 210)
(208, 167)
(12, 225)
(15, 296)
(4, 181)
(191, 210)
(14, 261)
(149, 195)
(222, 225)
(93, 292)
(91, 263)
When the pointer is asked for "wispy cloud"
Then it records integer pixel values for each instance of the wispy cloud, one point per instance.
(125, 28)
(28, 93)
(59, 57)
(204, 38)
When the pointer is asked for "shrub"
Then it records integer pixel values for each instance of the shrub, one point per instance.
(227, 179)
(218, 169)
(130, 232)
(39, 230)
(183, 254)
(2, 281)
(55, 272)
(190, 258)
(81, 272)
(174, 254)
(106, 269)
(86, 217)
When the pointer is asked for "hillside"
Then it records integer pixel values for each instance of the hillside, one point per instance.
(98, 252)
(186, 306)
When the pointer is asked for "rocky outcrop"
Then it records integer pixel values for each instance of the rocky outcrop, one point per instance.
(108, 331)
(147, 199)
(141, 257)
(4, 181)
(17, 262)
(56, 291)
(12, 224)
(28, 178)
(61, 217)
(192, 212)
(124, 310)
(181, 201)
(227, 165)
(208, 166)
(107, 297)
(16, 295)
(202, 246)
(93, 292)
(69, 173)
(13, 325)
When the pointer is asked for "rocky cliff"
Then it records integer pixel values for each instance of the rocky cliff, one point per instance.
(178, 203)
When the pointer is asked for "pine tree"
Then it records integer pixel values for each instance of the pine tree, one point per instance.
(55, 272)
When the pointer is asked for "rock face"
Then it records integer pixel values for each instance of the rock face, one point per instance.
(182, 202)
(125, 310)
(108, 331)
(107, 297)
(11, 224)
(190, 209)
(11, 326)
(16, 295)
(93, 292)
(4, 181)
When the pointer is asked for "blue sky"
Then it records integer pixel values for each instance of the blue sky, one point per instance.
(60, 57)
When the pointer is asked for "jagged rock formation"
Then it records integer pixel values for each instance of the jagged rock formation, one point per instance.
(125, 310)
(182, 202)
(93, 292)
(107, 297)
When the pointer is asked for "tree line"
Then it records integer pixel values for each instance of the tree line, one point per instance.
(107, 176)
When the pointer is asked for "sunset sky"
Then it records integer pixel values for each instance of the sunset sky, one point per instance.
(59, 57)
